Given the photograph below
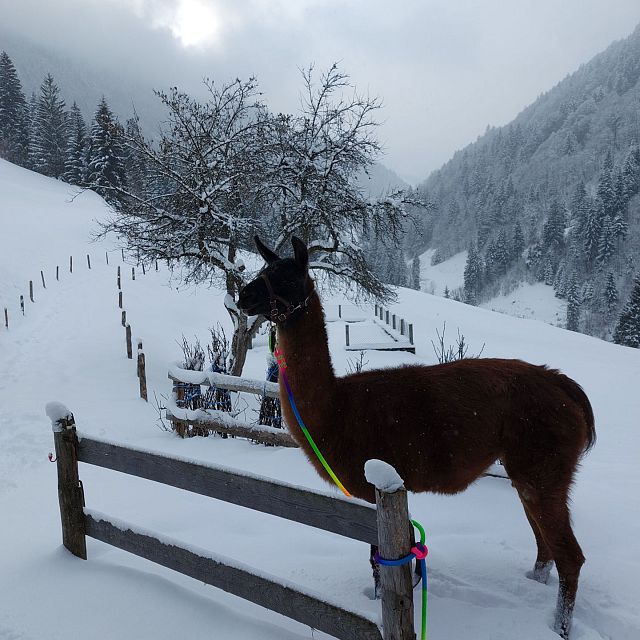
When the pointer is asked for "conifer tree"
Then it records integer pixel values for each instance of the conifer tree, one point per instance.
(610, 294)
(49, 143)
(606, 187)
(573, 304)
(472, 276)
(447, 293)
(106, 153)
(135, 165)
(76, 161)
(593, 230)
(14, 114)
(627, 330)
(606, 243)
(553, 230)
(501, 252)
(580, 207)
(517, 244)
(415, 273)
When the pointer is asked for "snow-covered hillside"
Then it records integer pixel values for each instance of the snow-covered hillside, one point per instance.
(70, 347)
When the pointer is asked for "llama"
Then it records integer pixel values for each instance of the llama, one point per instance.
(440, 426)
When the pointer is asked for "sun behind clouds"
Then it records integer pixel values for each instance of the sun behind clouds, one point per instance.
(196, 23)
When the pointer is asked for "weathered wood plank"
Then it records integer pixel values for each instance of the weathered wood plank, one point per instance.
(259, 433)
(261, 590)
(223, 381)
(338, 515)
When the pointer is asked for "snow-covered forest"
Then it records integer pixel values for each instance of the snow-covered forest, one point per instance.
(553, 197)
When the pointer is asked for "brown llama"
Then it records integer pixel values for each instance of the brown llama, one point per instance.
(440, 426)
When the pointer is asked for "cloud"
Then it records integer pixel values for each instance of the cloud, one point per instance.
(444, 69)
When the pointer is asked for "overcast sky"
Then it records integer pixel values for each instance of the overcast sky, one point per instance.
(445, 69)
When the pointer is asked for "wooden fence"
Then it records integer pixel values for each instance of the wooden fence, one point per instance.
(386, 525)
(184, 420)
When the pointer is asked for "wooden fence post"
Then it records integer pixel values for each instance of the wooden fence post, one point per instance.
(395, 539)
(6, 318)
(22, 304)
(346, 334)
(339, 311)
(70, 264)
(120, 299)
(386, 316)
(375, 310)
(133, 273)
(181, 427)
(393, 321)
(118, 280)
(70, 492)
(88, 261)
(401, 326)
(128, 338)
(144, 273)
(31, 290)
(42, 276)
(124, 318)
(106, 256)
(142, 373)
(57, 272)
(410, 333)
(156, 265)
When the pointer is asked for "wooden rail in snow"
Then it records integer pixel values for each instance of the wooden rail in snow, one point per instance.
(220, 421)
(350, 518)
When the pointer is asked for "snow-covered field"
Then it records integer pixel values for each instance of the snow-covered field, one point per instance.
(70, 347)
(449, 273)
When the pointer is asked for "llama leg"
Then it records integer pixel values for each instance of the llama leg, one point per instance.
(544, 560)
(375, 567)
(552, 516)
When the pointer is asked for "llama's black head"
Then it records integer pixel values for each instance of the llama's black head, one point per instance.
(282, 288)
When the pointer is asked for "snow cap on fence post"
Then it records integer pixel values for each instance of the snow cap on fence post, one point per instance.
(59, 415)
(382, 476)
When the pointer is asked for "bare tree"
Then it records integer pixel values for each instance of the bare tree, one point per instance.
(227, 168)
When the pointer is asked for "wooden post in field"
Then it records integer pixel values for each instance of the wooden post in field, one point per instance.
(44, 284)
(57, 272)
(395, 539)
(122, 252)
(339, 311)
(393, 321)
(118, 280)
(128, 338)
(70, 264)
(346, 334)
(31, 290)
(156, 265)
(6, 318)
(22, 304)
(410, 333)
(375, 310)
(133, 273)
(144, 273)
(386, 316)
(401, 326)
(106, 256)
(181, 427)
(70, 493)
(142, 373)
(124, 318)
(120, 299)
(88, 261)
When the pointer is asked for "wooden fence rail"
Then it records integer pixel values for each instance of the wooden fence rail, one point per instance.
(349, 518)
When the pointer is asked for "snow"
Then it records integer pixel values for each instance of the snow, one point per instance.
(56, 412)
(450, 273)
(535, 301)
(480, 542)
(382, 475)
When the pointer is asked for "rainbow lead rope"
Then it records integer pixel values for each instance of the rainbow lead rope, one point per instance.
(283, 365)
(419, 552)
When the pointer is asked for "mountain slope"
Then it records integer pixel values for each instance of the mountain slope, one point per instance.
(566, 171)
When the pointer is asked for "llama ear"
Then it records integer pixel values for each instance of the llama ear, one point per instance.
(268, 255)
(300, 252)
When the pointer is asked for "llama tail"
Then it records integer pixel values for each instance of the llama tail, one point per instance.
(577, 394)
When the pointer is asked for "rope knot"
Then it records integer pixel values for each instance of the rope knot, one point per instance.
(420, 551)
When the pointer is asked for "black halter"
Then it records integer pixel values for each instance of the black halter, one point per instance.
(290, 309)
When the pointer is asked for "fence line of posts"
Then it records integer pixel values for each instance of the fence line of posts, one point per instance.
(386, 524)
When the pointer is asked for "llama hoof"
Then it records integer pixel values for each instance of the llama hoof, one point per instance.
(562, 623)
(540, 572)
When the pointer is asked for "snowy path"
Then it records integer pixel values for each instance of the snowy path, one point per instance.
(70, 347)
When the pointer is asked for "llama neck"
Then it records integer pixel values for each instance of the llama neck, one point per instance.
(304, 343)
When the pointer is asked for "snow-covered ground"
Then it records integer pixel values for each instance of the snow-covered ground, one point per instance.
(449, 273)
(70, 347)
(536, 301)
